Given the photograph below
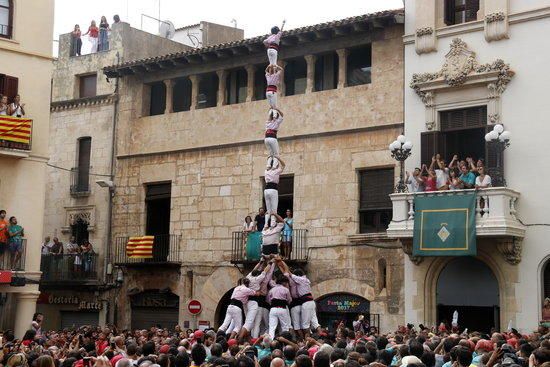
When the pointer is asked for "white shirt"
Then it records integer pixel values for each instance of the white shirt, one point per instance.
(273, 124)
(441, 177)
(248, 227)
(414, 185)
(16, 111)
(271, 235)
(486, 181)
(272, 175)
(46, 248)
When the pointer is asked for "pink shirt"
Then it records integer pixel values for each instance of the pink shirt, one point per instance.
(272, 175)
(241, 293)
(274, 38)
(256, 282)
(279, 292)
(274, 124)
(292, 284)
(271, 236)
(303, 285)
(273, 79)
(265, 283)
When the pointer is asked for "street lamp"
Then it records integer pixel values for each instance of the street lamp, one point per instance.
(498, 139)
(401, 150)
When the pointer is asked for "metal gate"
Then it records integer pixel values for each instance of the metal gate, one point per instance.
(145, 317)
(71, 319)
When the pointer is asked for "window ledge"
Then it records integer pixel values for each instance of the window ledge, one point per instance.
(380, 238)
(14, 153)
(9, 40)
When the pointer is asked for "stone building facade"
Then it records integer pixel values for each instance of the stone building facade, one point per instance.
(206, 162)
(81, 149)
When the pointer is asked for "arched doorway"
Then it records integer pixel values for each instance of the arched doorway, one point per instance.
(342, 307)
(222, 307)
(468, 286)
(546, 291)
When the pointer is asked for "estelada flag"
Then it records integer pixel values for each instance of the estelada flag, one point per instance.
(15, 129)
(140, 247)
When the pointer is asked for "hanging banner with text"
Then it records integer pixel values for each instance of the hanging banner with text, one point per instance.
(445, 225)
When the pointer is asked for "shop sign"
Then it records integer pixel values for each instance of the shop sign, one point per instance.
(52, 299)
(154, 299)
(204, 324)
(348, 303)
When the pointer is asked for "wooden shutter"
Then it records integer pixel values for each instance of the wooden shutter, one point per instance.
(375, 187)
(465, 118)
(449, 12)
(432, 143)
(84, 150)
(11, 85)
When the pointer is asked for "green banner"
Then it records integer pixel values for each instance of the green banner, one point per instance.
(445, 225)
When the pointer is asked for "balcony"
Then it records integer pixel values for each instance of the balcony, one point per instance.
(15, 136)
(166, 251)
(5, 261)
(82, 268)
(246, 250)
(495, 218)
(80, 182)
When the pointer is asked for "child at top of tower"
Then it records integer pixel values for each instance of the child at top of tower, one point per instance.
(272, 43)
(272, 77)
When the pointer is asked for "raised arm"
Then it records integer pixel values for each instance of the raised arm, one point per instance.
(432, 164)
(282, 25)
(279, 218)
(280, 112)
(453, 161)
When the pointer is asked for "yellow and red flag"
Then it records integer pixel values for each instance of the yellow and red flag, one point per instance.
(15, 132)
(140, 247)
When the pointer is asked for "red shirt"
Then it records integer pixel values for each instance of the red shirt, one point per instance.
(3, 231)
(93, 31)
(429, 183)
(100, 346)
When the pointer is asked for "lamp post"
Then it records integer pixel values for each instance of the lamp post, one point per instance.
(401, 150)
(498, 139)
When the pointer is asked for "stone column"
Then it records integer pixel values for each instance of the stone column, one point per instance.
(222, 76)
(195, 79)
(250, 73)
(169, 83)
(282, 86)
(342, 67)
(26, 307)
(310, 61)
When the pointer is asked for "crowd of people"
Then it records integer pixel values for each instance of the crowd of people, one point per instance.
(408, 346)
(97, 36)
(457, 175)
(79, 257)
(14, 108)
(11, 241)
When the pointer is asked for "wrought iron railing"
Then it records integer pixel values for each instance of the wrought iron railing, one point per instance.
(246, 248)
(80, 181)
(5, 30)
(6, 262)
(69, 268)
(166, 249)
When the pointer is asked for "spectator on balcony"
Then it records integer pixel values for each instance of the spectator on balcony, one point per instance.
(259, 220)
(16, 233)
(4, 235)
(4, 108)
(76, 41)
(286, 244)
(46, 246)
(416, 184)
(116, 19)
(16, 108)
(93, 33)
(56, 252)
(103, 43)
(429, 179)
(87, 251)
(454, 180)
(483, 180)
(73, 250)
(441, 173)
(467, 178)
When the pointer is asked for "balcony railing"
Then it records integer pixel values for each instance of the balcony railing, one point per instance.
(15, 133)
(80, 182)
(6, 263)
(69, 268)
(166, 250)
(495, 212)
(247, 248)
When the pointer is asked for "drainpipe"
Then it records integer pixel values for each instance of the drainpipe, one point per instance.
(112, 189)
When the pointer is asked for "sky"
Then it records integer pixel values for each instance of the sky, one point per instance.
(250, 15)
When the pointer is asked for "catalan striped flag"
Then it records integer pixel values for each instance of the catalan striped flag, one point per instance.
(15, 132)
(140, 247)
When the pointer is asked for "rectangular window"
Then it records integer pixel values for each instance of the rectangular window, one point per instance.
(6, 18)
(9, 86)
(157, 199)
(208, 91)
(260, 84)
(181, 95)
(295, 76)
(375, 207)
(235, 86)
(460, 11)
(359, 66)
(81, 180)
(158, 99)
(326, 71)
(87, 86)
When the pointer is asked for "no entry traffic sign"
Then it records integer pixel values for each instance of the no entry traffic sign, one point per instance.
(194, 307)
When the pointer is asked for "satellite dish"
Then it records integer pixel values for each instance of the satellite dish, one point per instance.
(167, 29)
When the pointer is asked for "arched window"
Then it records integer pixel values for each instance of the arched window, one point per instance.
(546, 290)
(6, 18)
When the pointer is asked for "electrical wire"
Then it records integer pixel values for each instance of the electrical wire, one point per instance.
(70, 170)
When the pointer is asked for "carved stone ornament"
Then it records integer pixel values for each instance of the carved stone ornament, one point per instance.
(407, 245)
(460, 63)
(424, 31)
(83, 213)
(495, 17)
(510, 248)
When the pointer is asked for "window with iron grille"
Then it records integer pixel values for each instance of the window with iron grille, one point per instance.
(460, 11)
(375, 207)
(6, 18)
